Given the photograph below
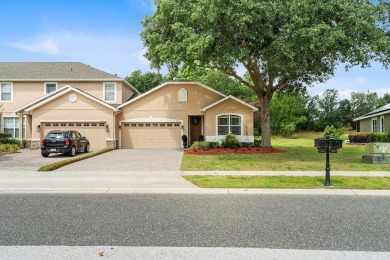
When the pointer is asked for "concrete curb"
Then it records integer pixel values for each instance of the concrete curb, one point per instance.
(200, 191)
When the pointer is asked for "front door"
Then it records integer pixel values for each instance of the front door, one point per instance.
(195, 128)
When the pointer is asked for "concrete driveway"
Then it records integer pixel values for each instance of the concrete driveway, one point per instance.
(131, 160)
(28, 160)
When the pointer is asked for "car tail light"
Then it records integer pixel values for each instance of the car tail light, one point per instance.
(67, 142)
(42, 142)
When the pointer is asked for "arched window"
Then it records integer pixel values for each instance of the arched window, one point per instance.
(229, 124)
(182, 95)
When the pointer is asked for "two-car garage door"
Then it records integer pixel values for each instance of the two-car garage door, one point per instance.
(94, 131)
(151, 135)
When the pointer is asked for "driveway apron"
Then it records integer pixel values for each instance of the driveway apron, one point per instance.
(131, 160)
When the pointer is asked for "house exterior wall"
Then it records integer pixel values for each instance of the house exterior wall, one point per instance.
(365, 125)
(26, 92)
(229, 107)
(163, 103)
(83, 110)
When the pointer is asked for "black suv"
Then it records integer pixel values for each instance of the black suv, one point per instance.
(67, 142)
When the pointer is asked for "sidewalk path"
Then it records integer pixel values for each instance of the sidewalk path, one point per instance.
(157, 182)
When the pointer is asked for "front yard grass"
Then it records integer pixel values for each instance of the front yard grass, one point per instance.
(289, 182)
(301, 156)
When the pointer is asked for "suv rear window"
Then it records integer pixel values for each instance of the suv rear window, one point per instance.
(56, 135)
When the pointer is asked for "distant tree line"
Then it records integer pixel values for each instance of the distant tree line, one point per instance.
(290, 111)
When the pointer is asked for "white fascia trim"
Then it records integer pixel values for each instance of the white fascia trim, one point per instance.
(73, 121)
(151, 120)
(373, 115)
(40, 99)
(170, 83)
(69, 88)
(67, 80)
(226, 98)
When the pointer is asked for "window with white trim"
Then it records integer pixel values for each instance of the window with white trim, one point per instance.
(109, 91)
(6, 91)
(50, 87)
(374, 125)
(11, 125)
(229, 124)
(382, 125)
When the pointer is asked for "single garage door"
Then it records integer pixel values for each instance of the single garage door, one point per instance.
(95, 132)
(151, 135)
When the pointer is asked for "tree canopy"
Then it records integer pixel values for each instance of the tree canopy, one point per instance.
(282, 44)
(145, 81)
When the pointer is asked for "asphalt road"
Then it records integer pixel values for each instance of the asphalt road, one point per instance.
(353, 223)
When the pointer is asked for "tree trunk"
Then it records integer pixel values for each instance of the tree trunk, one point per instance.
(265, 121)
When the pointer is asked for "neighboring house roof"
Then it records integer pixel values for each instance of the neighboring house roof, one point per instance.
(173, 82)
(52, 71)
(58, 93)
(376, 112)
(55, 71)
(226, 98)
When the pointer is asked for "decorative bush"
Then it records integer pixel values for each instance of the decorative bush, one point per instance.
(246, 144)
(5, 138)
(12, 148)
(230, 141)
(359, 138)
(379, 137)
(257, 144)
(199, 145)
(212, 145)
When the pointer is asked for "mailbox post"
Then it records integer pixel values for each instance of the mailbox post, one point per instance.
(328, 145)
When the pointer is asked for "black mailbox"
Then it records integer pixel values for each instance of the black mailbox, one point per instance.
(328, 145)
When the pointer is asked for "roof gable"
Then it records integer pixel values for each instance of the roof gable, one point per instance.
(227, 98)
(181, 82)
(58, 93)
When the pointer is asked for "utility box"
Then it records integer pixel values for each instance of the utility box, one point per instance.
(377, 153)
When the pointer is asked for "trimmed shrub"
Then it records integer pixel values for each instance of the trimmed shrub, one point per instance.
(11, 148)
(246, 144)
(336, 132)
(230, 141)
(6, 138)
(199, 145)
(379, 137)
(359, 138)
(257, 144)
(212, 145)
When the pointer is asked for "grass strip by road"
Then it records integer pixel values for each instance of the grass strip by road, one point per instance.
(56, 165)
(289, 182)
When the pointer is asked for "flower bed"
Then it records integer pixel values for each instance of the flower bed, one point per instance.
(243, 150)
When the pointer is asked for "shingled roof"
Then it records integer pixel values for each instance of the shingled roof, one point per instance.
(52, 71)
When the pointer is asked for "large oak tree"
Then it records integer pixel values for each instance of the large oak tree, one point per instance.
(282, 44)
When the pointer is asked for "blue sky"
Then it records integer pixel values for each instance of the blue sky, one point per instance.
(105, 35)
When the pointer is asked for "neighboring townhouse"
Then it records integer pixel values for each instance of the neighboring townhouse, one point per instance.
(41, 96)
(377, 120)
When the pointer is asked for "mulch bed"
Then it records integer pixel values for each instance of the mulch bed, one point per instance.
(252, 150)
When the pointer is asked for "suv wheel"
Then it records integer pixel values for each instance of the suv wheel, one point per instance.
(72, 151)
(45, 154)
(86, 149)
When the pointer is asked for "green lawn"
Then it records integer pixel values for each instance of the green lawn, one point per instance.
(289, 182)
(301, 156)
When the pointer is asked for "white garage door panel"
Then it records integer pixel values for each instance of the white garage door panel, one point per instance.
(157, 135)
(95, 132)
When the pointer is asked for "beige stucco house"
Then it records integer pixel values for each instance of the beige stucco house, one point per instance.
(377, 120)
(41, 96)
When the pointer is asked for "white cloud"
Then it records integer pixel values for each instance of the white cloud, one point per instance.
(116, 53)
(46, 45)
